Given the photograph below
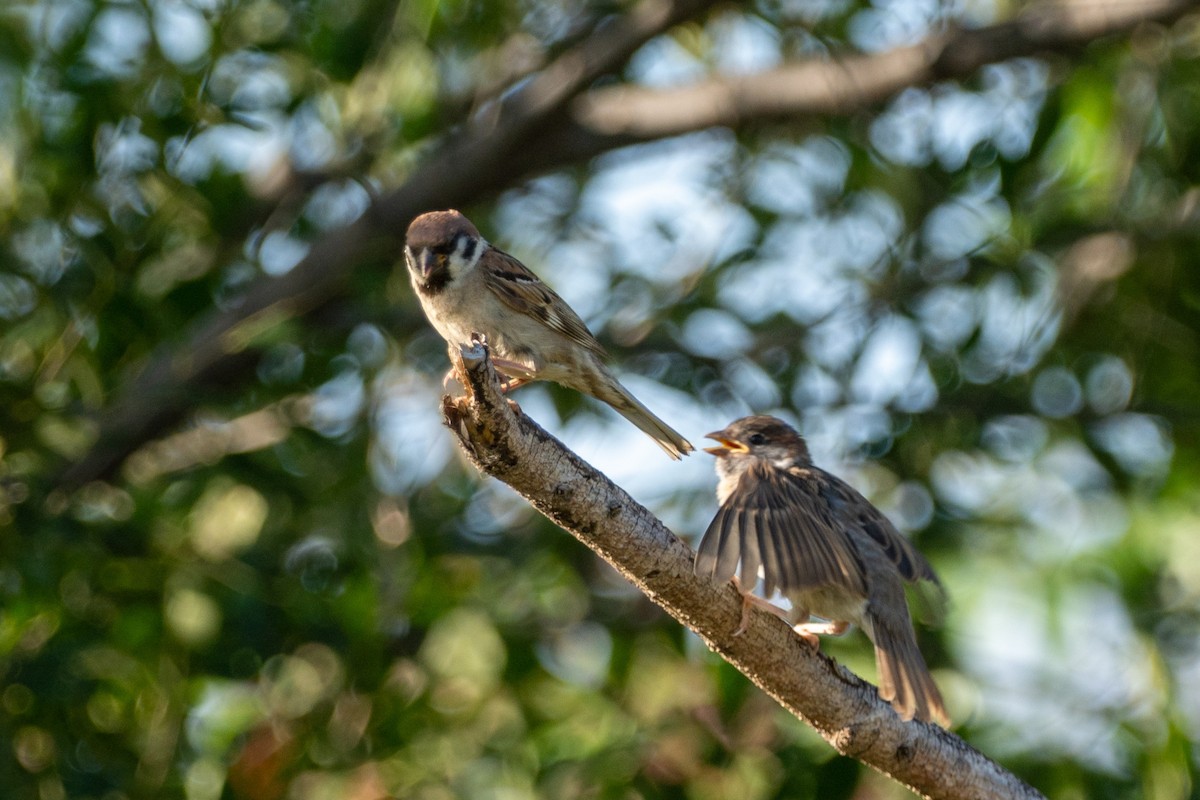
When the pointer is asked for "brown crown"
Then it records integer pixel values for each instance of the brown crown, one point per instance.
(438, 228)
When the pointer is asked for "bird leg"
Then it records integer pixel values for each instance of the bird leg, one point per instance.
(514, 372)
(452, 377)
(811, 631)
(749, 600)
(504, 369)
(513, 383)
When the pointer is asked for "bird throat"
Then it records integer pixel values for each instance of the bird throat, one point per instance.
(467, 252)
(435, 283)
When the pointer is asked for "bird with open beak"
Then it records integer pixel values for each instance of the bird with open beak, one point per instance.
(824, 546)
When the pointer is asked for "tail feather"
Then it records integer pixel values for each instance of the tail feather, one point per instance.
(904, 680)
(632, 409)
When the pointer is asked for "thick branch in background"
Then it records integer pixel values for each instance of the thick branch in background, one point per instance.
(611, 117)
(475, 163)
(550, 122)
(841, 707)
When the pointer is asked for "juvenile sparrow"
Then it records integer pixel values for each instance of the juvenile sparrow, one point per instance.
(467, 286)
(821, 543)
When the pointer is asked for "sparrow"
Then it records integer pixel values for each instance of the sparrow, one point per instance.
(824, 546)
(466, 286)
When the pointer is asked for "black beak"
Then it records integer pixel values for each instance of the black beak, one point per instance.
(428, 261)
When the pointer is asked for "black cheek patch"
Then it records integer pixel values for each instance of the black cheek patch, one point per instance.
(469, 251)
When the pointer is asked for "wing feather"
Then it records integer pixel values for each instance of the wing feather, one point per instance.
(819, 541)
(852, 510)
(718, 547)
(775, 519)
(524, 292)
(709, 549)
(790, 546)
(731, 548)
(752, 556)
(773, 566)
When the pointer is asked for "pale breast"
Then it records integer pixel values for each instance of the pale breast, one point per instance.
(457, 312)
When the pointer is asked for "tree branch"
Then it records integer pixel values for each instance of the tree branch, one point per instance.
(549, 123)
(611, 117)
(477, 162)
(841, 707)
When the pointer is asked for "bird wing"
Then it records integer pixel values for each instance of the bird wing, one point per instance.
(852, 511)
(516, 285)
(775, 519)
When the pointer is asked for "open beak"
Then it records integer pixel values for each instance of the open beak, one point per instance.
(727, 447)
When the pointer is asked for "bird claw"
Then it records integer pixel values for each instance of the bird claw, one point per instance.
(451, 377)
(514, 373)
(811, 632)
(511, 384)
(750, 600)
(809, 638)
(744, 622)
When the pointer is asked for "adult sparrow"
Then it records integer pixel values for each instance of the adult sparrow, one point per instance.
(824, 546)
(467, 286)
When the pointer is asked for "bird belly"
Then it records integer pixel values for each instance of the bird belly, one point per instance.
(830, 602)
(509, 339)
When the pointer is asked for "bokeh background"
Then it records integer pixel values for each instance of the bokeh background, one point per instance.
(978, 298)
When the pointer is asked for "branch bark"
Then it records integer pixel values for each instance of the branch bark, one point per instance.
(841, 707)
(556, 119)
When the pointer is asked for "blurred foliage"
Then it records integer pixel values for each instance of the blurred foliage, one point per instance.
(978, 301)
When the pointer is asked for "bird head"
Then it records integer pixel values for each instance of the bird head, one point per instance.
(440, 246)
(762, 437)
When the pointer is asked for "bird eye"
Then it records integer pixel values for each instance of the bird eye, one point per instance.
(757, 438)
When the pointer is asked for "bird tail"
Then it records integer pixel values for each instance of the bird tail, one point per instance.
(632, 409)
(904, 680)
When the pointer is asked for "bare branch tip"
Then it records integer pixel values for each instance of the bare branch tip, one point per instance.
(475, 371)
(476, 350)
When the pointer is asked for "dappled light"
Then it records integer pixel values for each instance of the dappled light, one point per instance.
(242, 557)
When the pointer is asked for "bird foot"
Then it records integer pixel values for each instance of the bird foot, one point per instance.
(450, 378)
(744, 620)
(810, 638)
(749, 601)
(514, 372)
(512, 383)
(458, 367)
(811, 632)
